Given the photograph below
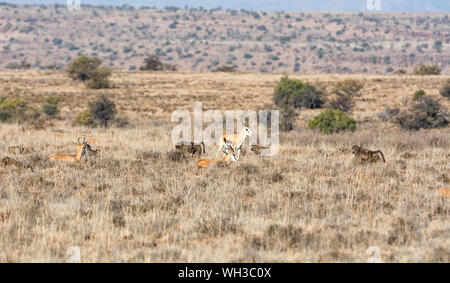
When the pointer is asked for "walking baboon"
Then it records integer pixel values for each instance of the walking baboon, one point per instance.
(366, 155)
(6, 161)
(191, 147)
(257, 149)
(91, 151)
(17, 149)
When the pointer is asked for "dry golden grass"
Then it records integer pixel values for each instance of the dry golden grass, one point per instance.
(136, 202)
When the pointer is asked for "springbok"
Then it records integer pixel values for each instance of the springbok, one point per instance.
(236, 140)
(81, 150)
(229, 156)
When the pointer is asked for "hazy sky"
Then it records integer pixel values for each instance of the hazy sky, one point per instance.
(281, 5)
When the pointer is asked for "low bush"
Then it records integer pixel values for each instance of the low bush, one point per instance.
(84, 118)
(103, 110)
(16, 111)
(332, 121)
(418, 94)
(425, 70)
(50, 105)
(295, 93)
(445, 90)
(425, 113)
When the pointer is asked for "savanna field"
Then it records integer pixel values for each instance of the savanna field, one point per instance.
(138, 202)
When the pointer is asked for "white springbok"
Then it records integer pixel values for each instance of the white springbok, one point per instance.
(235, 140)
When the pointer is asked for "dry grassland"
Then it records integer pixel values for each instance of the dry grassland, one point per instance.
(139, 202)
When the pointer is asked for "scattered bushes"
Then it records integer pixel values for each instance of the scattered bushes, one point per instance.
(445, 90)
(345, 92)
(99, 78)
(332, 121)
(100, 112)
(16, 110)
(388, 114)
(88, 70)
(295, 93)
(418, 94)
(84, 118)
(425, 70)
(225, 69)
(50, 105)
(103, 110)
(153, 63)
(425, 113)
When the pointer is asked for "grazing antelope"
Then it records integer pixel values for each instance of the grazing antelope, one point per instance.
(229, 156)
(236, 140)
(81, 150)
(367, 155)
(257, 149)
(191, 147)
(6, 161)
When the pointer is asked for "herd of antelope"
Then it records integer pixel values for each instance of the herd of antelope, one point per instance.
(83, 146)
(230, 145)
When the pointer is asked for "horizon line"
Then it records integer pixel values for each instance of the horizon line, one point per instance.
(219, 8)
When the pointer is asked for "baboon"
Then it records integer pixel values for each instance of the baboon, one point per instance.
(17, 149)
(191, 147)
(91, 151)
(257, 149)
(366, 155)
(6, 161)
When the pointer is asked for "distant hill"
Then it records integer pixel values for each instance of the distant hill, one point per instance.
(273, 5)
(201, 40)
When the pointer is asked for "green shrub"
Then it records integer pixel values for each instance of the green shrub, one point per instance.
(103, 110)
(88, 70)
(295, 93)
(425, 113)
(16, 110)
(84, 118)
(82, 67)
(418, 94)
(99, 78)
(50, 105)
(445, 90)
(332, 121)
(425, 70)
(153, 63)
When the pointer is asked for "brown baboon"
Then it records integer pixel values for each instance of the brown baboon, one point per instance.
(366, 155)
(6, 161)
(191, 147)
(257, 149)
(91, 151)
(17, 149)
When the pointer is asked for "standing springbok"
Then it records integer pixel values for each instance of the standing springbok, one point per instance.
(229, 156)
(81, 150)
(236, 140)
